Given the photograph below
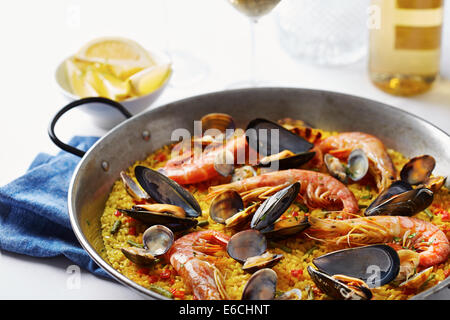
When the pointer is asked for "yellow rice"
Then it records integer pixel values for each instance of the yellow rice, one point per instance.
(303, 250)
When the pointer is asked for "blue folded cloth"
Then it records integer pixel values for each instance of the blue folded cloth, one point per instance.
(34, 217)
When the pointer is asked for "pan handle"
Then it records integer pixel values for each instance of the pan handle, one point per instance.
(76, 103)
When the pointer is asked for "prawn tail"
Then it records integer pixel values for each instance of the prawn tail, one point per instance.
(344, 232)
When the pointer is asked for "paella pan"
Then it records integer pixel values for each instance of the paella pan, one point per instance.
(282, 202)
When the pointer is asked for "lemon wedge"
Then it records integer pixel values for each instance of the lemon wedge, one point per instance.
(77, 81)
(117, 52)
(150, 79)
(115, 68)
(107, 85)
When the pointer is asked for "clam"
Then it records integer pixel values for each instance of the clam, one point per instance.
(222, 123)
(357, 164)
(406, 203)
(166, 191)
(335, 168)
(242, 173)
(356, 168)
(172, 221)
(409, 261)
(225, 205)
(340, 287)
(362, 263)
(157, 240)
(418, 280)
(224, 163)
(261, 285)
(270, 139)
(294, 294)
(246, 244)
(273, 207)
(132, 187)
(418, 169)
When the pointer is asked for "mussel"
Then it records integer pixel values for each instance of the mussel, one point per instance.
(273, 207)
(282, 148)
(418, 169)
(157, 240)
(132, 187)
(418, 172)
(261, 285)
(166, 218)
(340, 287)
(356, 168)
(225, 205)
(401, 200)
(285, 228)
(165, 190)
(249, 248)
(376, 265)
(266, 260)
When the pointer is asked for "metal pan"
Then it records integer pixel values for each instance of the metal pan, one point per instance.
(140, 135)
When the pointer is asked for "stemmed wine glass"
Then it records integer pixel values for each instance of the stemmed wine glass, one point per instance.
(189, 69)
(254, 10)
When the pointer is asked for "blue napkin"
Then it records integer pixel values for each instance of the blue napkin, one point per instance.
(34, 217)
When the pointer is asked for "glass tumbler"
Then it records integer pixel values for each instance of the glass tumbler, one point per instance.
(324, 32)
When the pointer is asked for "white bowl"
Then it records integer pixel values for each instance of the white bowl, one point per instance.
(103, 116)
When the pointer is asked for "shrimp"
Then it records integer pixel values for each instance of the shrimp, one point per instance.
(426, 238)
(317, 189)
(381, 166)
(192, 170)
(189, 256)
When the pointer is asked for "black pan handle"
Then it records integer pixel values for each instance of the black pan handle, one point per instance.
(76, 103)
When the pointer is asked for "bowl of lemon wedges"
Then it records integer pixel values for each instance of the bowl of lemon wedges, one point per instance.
(116, 68)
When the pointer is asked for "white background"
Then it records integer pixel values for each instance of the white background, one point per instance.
(37, 35)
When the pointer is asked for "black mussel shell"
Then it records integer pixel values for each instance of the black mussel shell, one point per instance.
(261, 285)
(267, 143)
(246, 244)
(404, 204)
(395, 188)
(225, 205)
(171, 221)
(292, 162)
(375, 264)
(273, 207)
(165, 190)
(285, 228)
(418, 169)
(266, 260)
(336, 289)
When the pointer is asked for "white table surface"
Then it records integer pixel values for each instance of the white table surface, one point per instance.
(37, 35)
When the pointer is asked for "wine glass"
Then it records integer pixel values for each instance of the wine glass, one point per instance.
(254, 10)
(188, 69)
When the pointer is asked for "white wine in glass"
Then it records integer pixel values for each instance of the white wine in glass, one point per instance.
(253, 9)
